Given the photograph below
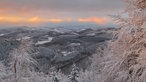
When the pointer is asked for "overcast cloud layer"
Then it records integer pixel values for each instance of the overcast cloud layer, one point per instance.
(67, 5)
(60, 8)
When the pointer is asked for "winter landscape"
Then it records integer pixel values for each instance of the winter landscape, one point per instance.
(82, 41)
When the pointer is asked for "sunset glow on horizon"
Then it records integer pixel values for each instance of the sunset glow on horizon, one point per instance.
(46, 12)
(40, 20)
(96, 20)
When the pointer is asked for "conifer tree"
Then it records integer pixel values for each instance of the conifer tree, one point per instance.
(74, 74)
(54, 75)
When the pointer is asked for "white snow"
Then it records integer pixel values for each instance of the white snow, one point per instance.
(45, 41)
(24, 38)
(75, 44)
(83, 29)
(56, 30)
(65, 53)
(91, 34)
(2, 34)
(42, 42)
(50, 39)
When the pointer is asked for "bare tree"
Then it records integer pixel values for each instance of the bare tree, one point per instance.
(21, 60)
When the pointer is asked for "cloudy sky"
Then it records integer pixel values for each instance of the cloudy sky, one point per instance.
(22, 12)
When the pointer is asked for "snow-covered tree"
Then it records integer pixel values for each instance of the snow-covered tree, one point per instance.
(21, 60)
(89, 76)
(54, 75)
(74, 74)
(2, 72)
(126, 58)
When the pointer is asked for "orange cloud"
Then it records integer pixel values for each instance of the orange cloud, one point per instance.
(25, 20)
(44, 20)
(7, 19)
(33, 20)
(55, 20)
(97, 20)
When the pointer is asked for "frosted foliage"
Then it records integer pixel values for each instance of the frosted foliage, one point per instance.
(89, 76)
(21, 59)
(54, 75)
(21, 67)
(126, 59)
(73, 77)
(2, 71)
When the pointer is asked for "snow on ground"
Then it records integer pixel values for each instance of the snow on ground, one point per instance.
(50, 39)
(2, 34)
(75, 44)
(45, 41)
(24, 38)
(91, 34)
(65, 53)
